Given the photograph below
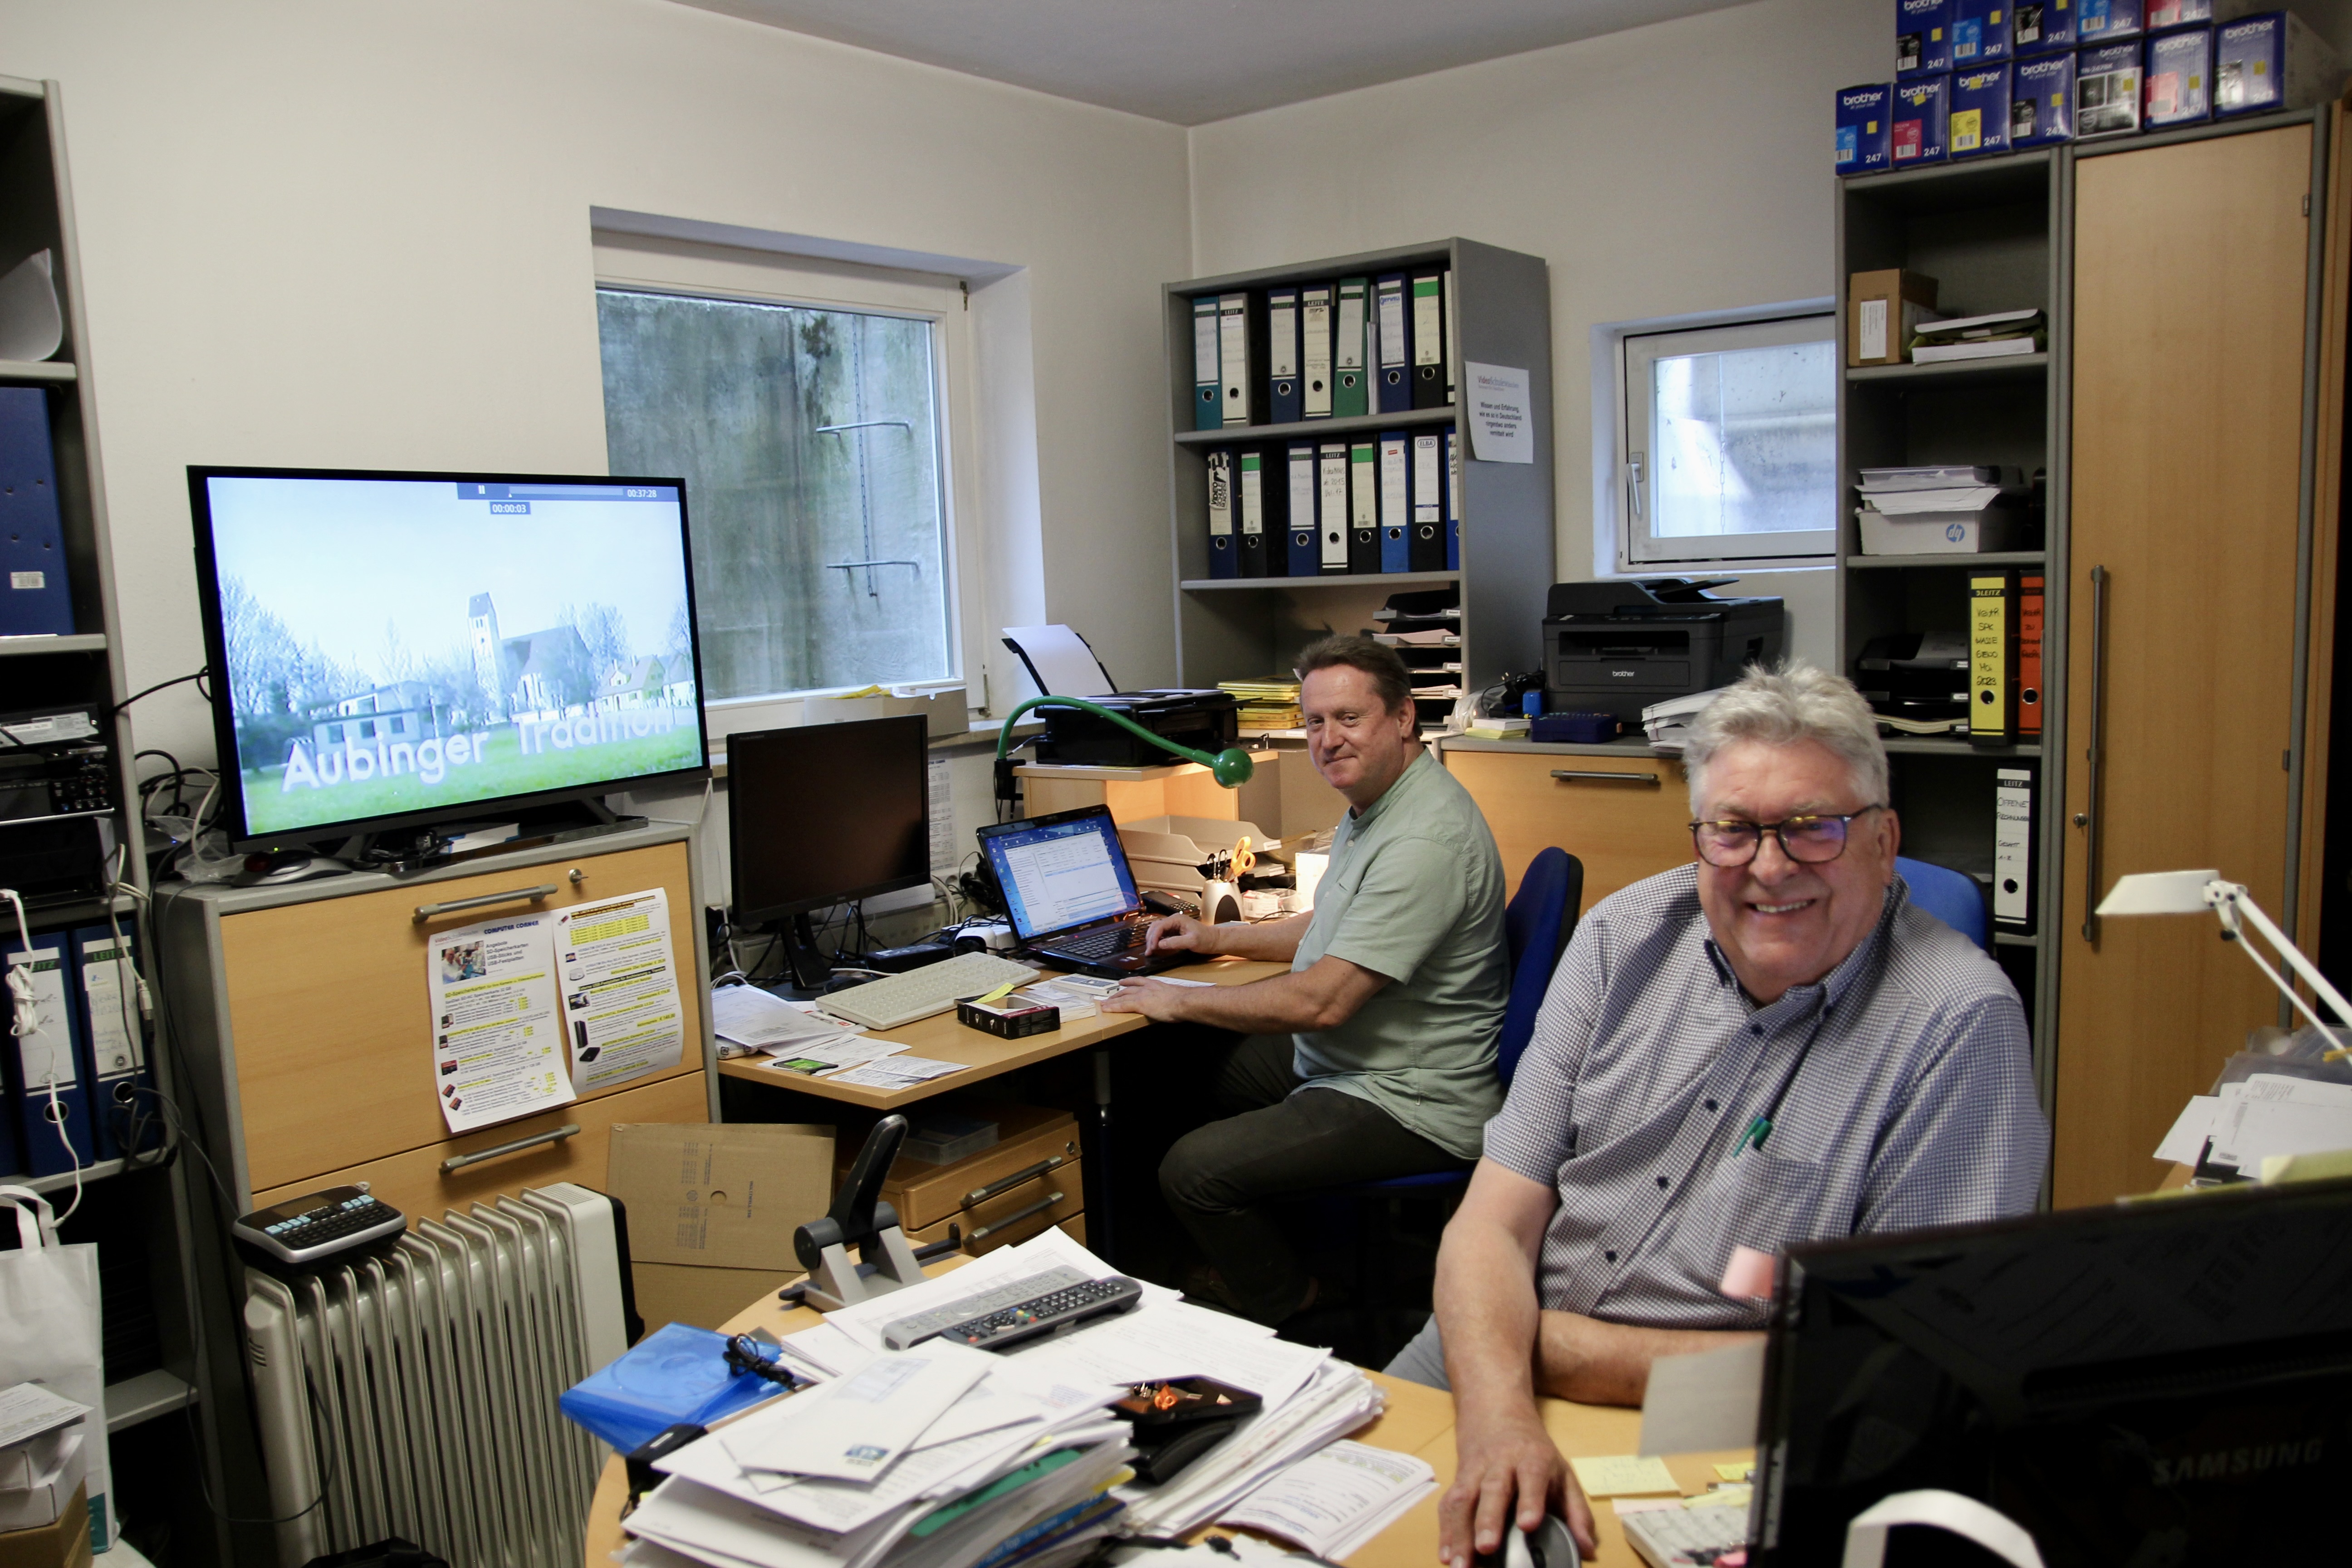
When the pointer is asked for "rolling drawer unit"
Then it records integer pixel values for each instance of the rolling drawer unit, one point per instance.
(1621, 809)
(1031, 1177)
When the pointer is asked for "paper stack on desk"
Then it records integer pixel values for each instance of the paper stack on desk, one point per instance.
(943, 1456)
(1668, 723)
(2266, 1116)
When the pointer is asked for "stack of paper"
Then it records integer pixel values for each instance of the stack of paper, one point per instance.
(2266, 1116)
(1941, 511)
(1333, 1400)
(799, 1039)
(1997, 336)
(1268, 704)
(1335, 1501)
(1668, 723)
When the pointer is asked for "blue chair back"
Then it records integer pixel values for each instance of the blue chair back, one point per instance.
(1536, 928)
(1952, 897)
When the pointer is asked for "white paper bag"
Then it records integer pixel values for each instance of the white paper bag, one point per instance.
(49, 1333)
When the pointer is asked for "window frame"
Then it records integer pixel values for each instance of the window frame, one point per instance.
(689, 268)
(1623, 543)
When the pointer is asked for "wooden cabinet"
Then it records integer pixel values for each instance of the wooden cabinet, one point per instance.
(1624, 812)
(304, 1010)
(2190, 290)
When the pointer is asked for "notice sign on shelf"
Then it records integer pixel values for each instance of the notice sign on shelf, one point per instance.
(1499, 428)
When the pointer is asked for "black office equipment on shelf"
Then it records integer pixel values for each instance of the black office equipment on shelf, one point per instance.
(1618, 646)
(1205, 719)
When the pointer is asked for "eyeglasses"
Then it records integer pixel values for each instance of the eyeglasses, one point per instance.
(1811, 840)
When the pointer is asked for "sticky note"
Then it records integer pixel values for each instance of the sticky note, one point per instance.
(1738, 1472)
(1722, 1497)
(1749, 1276)
(1624, 1473)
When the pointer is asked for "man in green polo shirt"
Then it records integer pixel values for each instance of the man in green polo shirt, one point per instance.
(1374, 1057)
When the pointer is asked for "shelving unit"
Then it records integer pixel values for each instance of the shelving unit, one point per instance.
(136, 1213)
(1240, 629)
(1992, 234)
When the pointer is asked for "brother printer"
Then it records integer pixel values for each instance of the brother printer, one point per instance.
(1207, 720)
(1616, 647)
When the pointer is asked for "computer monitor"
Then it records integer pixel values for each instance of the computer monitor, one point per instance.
(822, 814)
(2162, 1381)
(409, 649)
(1061, 871)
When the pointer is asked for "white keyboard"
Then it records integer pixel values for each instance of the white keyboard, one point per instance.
(920, 992)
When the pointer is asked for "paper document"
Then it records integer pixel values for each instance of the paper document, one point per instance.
(1062, 660)
(29, 1410)
(2186, 1142)
(752, 1016)
(850, 1428)
(889, 1072)
(1332, 1500)
(814, 1059)
(1498, 414)
(621, 1008)
(498, 1035)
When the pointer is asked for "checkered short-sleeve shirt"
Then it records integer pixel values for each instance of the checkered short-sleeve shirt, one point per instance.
(1913, 1105)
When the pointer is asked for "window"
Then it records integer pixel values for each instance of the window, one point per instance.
(1728, 449)
(807, 413)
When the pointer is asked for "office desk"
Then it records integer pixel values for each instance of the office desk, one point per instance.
(941, 1039)
(1418, 1420)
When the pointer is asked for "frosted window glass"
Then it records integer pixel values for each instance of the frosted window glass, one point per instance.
(1745, 441)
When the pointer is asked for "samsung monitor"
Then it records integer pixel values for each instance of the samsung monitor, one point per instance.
(2163, 1382)
(824, 813)
(391, 649)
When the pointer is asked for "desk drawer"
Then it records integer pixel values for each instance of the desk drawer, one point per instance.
(415, 1184)
(331, 1022)
(1027, 1135)
(1625, 818)
(1014, 1214)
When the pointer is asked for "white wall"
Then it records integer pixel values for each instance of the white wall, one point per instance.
(358, 236)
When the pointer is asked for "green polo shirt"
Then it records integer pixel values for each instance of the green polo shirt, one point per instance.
(1415, 891)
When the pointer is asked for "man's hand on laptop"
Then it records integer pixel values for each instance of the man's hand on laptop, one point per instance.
(1179, 934)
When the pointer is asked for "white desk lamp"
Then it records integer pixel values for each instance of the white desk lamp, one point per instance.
(2186, 893)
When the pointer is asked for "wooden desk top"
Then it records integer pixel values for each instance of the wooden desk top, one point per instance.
(1418, 1420)
(941, 1039)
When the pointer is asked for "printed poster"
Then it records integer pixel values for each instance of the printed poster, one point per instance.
(621, 1005)
(498, 1040)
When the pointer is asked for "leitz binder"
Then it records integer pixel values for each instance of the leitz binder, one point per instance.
(1314, 351)
(1334, 519)
(1429, 483)
(1351, 389)
(1251, 469)
(1445, 280)
(2013, 837)
(35, 597)
(1429, 339)
(2029, 655)
(1453, 500)
(1992, 658)
(1224, 551)
(1234, 358)
(1284, 402)
(123, 1120)
(1208, 385)
(1304, 554)
(1394, 382)
(52, 1094)
(1364, 505)
(1396, 498)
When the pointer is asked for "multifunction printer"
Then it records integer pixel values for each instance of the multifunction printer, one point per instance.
(1617, 648)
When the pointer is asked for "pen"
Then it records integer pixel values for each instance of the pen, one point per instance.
(1757, 1130)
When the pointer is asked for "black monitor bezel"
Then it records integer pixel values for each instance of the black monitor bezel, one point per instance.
(788, 733)
(231, 816)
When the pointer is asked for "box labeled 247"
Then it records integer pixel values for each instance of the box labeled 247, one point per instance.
(1861, 129)
(2107, 91)
(1921, 109)
(2271, 62)
(2176, 80)
(1980, 122)
(2041, 101)
(1923, 38)
(2042, 26)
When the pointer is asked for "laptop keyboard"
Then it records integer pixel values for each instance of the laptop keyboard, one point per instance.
(1108, 941)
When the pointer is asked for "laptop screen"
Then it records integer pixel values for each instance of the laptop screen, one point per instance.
(1061, 871)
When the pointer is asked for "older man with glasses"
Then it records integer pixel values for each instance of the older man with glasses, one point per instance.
(1772, 1044)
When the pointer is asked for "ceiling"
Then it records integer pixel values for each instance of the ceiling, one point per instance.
(1192, 61)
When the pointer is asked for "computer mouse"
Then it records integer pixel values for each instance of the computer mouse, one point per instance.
(1547, 1545)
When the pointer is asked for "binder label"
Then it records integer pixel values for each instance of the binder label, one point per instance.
(2012, 848)
(1221, 495)
(1253, 493)
(1332, 504)
(1391, 323)
(1315, 321)
(1428, 313)
(1990, 634)
(45, 1055)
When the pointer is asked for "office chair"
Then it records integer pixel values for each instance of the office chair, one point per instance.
(1952, 897)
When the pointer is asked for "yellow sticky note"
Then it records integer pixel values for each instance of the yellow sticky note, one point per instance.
(1624, 1473)
(1722, 1497)
(1001, 992)
(1738, 1472)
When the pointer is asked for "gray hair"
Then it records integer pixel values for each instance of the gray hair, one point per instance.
(1783, 707)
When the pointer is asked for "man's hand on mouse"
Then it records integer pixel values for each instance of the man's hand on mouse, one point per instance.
(1509, 1475)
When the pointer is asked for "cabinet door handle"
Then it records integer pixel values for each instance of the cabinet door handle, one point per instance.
(983, 1231)
(1006, 1184)
(1596, 775)
(426, 911)
(552, 1135)
(2097, 757)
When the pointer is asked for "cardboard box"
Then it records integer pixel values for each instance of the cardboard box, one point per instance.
(1881, 311)
(2107, 91)
(2269, 63)
(1922, 109)
(62, 1543)
(2104, 21)
(2042, 101)
(2177, 80)
(1980, 122)
(1941, 533)
(1923, 38)
(51, 1492)
(1861, 129)
(2042, 27)
(719, 1195)
(1980, 32)
(703, 1298)
(2160, 13)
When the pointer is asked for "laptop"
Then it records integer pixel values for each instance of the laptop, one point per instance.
(1070, 894)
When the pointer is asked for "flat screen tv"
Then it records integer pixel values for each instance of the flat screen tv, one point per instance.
(399, 649)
